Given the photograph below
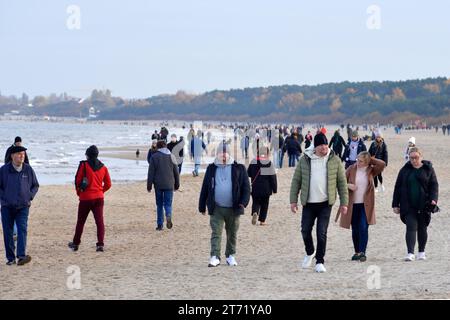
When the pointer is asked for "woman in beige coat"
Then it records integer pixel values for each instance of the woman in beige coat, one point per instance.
(361, 206)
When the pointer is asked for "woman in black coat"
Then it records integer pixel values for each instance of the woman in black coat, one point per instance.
(378, 149)
(263, 179)
(337, 143)
(415, 197)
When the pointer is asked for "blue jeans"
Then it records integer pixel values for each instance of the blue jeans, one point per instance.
(360, 228)
(292, 158)
(20, 217)
(280, 158)
(196, 168)
(163, 203)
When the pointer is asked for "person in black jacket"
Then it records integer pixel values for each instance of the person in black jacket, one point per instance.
(263, 178)
(415, 196)
(293, 149)
(337, 143)
(225, 193)
(378, 149)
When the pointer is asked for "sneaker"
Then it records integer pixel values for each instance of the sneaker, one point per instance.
(73, 246)
(159, 228)
(231, 261)
(23, 260)
(356, 257)
(421, 256)
(254, 218)
(307, 261)
(362, 257)
(193, 173)
(10, 263)
(410, 257)
(214, 261)
(100, 249)
(376, 190)
(383, 188)
(320, 268)
(169, 223)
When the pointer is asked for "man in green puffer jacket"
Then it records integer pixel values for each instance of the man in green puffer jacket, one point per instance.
(319, 175)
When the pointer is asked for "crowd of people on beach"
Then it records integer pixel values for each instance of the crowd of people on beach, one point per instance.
(322, 170)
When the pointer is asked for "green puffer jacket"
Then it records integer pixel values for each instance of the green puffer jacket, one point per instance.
(336, 180)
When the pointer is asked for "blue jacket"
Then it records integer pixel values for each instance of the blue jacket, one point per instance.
(17, 189)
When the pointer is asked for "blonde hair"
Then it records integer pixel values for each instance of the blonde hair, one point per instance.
(364, 155)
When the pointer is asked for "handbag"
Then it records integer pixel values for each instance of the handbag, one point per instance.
(84, 182)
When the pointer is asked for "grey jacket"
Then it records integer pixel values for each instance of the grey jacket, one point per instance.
(163, 171)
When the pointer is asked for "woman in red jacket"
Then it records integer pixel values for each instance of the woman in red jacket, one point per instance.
(91, 182)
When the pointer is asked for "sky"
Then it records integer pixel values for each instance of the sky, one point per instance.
(142, 48)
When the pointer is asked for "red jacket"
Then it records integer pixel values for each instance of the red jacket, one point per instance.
(99, 181)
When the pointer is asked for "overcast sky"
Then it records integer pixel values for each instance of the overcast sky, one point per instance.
(141, 48)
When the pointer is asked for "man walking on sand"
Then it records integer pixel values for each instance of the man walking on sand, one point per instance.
(18, 187)
(318, 175)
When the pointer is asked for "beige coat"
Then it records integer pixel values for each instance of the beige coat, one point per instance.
(375, 167)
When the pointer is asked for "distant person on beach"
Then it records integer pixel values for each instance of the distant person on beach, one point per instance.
(361, 205)
(261, 172)
(318, 175)
(92, 180)
(18, 187)
(197, 149)
(155, 135)
(17, 143)
(444, 127)
(137, 153)
(225, 193)
(163, 174)
(378, 150)
(337, 143)
(411, 144)
(308, 139)
(152, 150)
(163, 134)
(175, 146)
(245, 144)
(293, 149)
(415, 198)
(353, 148)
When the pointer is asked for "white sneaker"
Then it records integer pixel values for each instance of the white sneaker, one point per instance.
(213, 261)
(376, 190)
(254, 218)
(231, 261)
(383, 188)
(307, 260)
(410, 257)
(320, 268)
(421, 256)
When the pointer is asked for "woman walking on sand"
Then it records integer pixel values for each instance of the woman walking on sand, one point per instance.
(261, 172)
(415, 198)
(91, 181)
(361, 207)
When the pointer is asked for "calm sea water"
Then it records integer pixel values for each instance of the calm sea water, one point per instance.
(55, 149)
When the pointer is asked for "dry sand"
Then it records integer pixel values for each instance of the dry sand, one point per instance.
(140, 263)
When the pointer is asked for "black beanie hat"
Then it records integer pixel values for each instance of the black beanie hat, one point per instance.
(92, 152)
(17, 139)
(320, 139)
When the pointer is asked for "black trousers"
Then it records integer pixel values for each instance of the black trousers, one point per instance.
(260, 205)
(322, 212)
(376, 179)
(416, 227)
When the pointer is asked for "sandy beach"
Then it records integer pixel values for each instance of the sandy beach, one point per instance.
(141, 263)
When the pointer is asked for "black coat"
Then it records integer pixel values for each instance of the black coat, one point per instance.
(427, 180)
(263, 178)
(380, 152)
(361, 148)
(240, 189)
(337, 143)
(292, 146)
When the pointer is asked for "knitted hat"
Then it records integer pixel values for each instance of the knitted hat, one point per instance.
(92, 152)
(320, 139)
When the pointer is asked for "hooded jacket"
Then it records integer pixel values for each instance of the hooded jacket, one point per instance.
(98, 178)
(263, 177)
(163, 171)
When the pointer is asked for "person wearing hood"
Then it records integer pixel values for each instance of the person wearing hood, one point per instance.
(337, 143)
(18, 187)
(411, 144)
(353, 148)
(225, 193)
(261, 172)
(92, 180)
(378, 150)
(163, 174)
(415, 197)
(152, 150)
(319, 174)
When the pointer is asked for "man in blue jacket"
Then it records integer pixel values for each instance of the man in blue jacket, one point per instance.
(18, 187)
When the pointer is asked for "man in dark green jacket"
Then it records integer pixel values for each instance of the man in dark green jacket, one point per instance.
(319, 174)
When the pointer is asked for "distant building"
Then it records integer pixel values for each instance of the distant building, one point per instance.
(92, 114)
